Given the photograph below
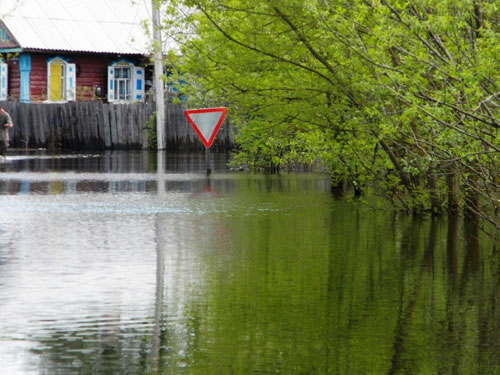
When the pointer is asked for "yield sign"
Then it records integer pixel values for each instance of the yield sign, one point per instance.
(206, 122)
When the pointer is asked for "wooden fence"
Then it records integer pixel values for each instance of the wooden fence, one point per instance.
(99, 126)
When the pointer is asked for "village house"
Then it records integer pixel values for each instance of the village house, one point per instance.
(73, 50)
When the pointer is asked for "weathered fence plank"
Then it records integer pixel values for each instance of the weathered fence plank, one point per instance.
(105, 125)
(97, 126)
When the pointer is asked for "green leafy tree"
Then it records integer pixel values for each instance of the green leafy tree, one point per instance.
(400, 95)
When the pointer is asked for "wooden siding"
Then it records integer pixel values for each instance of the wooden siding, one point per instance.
(38, 78)
(91, 71)
(14, 84)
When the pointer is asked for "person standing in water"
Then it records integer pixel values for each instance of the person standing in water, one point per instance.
(5, 125)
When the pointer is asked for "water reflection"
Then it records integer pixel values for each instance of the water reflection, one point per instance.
(37, 172)
(112, 162)
(140, 271)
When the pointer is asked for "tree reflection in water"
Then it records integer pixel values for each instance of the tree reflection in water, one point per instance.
(396, 296)
(254, 274)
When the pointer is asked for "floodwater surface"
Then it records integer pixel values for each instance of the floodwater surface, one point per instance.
(133, 263)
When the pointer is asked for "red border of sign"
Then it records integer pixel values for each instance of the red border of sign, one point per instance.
(195, 127)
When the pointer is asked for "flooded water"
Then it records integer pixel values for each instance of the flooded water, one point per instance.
(129, 263)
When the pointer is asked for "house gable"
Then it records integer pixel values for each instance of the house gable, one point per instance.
(7, 40)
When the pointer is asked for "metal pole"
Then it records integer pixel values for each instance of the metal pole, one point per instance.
(207, 161)
(158, 73)
(160, 286)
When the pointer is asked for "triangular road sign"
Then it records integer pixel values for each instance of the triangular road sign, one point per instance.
(206, 122)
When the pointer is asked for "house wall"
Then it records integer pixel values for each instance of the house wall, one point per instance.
(38, 78)
(14, 81)
(91, 72)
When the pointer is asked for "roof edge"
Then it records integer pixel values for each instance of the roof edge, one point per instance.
(46, 50)
(10, 50)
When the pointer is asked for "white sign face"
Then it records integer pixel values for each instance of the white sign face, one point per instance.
(206, 122)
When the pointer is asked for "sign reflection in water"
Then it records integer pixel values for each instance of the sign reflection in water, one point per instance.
(109, 266)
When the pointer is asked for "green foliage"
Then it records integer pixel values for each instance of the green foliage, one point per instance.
(281, 149)
(151, 133)
(84, 93)
(395, 94)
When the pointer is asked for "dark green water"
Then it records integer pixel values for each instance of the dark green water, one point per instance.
(108, 267)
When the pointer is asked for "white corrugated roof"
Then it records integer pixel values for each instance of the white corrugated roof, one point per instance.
(106, 26)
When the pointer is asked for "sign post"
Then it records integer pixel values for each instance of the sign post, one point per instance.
(206, 123)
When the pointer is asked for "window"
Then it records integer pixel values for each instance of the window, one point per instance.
(125, 82)
(60, 80)
(122, 83)
(57, 79)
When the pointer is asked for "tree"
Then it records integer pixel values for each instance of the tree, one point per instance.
(401, 95)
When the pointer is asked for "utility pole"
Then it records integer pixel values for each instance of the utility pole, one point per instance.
(158, 81)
